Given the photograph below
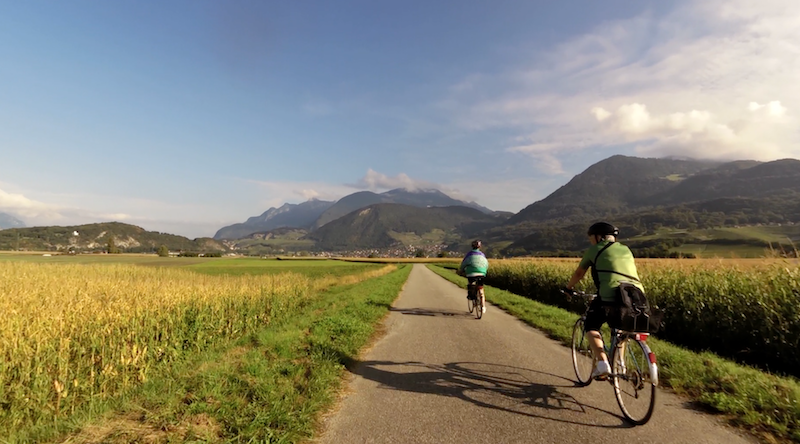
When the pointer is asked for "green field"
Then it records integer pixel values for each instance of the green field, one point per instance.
(742, 242)
(433, 237)
(722, 251)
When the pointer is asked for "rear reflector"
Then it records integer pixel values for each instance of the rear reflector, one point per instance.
(641, 336)
(652, 358)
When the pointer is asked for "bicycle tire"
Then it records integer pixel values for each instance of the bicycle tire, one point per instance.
(637, 378)
(582, 357)
(470, 303)
(478, 307)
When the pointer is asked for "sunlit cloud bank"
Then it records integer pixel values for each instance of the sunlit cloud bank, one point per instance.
(711, 79)
(763, 134)
(375, 181)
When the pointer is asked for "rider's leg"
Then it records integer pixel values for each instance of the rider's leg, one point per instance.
(596, 343)
(620, 355)
(483, 300)
(595, 318)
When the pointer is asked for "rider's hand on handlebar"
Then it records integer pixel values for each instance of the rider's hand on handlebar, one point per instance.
(568, 291)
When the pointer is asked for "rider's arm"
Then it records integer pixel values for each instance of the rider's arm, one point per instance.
(583, 266)
(461, 267)
(576, 277)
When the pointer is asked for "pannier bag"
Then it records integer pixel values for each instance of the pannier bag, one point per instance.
(633, 312)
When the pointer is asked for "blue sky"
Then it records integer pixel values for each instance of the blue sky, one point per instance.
(187, 116)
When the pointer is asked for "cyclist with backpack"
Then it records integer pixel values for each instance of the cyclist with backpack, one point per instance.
(612, 265)
(474, 266)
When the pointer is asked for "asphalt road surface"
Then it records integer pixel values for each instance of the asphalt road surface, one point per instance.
(441, 376)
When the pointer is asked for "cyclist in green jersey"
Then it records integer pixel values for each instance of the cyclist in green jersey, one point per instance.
(474, 266)
(612, 264)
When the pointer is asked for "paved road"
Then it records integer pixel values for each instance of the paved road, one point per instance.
(441, 376)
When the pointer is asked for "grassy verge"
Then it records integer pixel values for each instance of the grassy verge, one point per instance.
(762, 403)
(267, 386)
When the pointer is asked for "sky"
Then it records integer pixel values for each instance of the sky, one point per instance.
(186, 116)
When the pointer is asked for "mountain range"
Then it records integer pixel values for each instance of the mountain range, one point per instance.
(661, 206)
(639, 194)
(313, 214)
(302, 215)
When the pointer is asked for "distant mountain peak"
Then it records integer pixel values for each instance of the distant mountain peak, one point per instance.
(9, 221)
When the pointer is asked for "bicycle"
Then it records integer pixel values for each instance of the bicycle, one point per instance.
(634, 372)
(474, 301)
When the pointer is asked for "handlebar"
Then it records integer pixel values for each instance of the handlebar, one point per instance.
(573, 293)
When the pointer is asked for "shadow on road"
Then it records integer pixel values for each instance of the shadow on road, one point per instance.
(432, 312)
(493, 386)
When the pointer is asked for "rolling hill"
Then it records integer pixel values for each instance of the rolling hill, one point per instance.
(94, 237)
(662, 194)
(615, 184)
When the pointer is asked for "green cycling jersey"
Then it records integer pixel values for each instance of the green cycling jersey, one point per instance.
(614, 265)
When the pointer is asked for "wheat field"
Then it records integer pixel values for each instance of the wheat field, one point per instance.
(71, 333)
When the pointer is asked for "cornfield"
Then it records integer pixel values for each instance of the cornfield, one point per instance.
(749, 312)
(73, 333)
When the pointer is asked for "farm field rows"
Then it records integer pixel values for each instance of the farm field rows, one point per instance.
(83, 332)
(728, 242)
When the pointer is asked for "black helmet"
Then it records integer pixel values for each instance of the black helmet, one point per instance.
(603, 229)
(476, 244)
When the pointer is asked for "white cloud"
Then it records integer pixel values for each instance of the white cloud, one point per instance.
(712, 78)
(773, 108)
(276, 193)
(28, 208)
(701, 133)
(78, 209)
(35, 212)
(600, 114)
(375, 181)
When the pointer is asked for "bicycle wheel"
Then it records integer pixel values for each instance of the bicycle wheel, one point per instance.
(470, 302)
(478, 306)
(582, 357)
(634, 380)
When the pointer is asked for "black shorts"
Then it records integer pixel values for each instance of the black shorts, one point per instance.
(598, 314)
(475, 280)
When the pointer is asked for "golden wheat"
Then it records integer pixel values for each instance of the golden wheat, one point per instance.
(72, 333)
